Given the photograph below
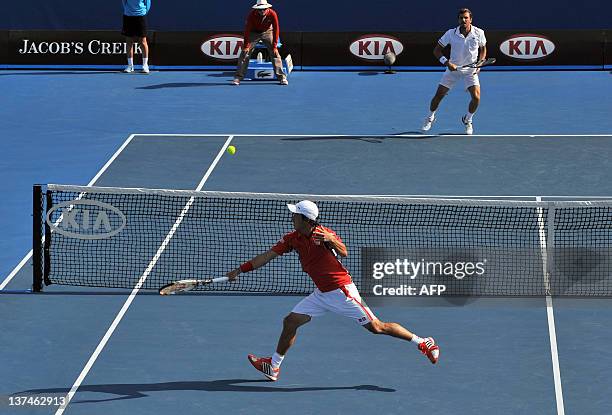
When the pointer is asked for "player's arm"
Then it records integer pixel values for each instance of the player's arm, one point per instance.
(326, 237)
(275, 30)
(439, 54)
(262, 259)
(482, 53)
(257, 262)
(248, 25)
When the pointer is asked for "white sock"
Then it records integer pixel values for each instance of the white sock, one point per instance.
(432, 114)
(145, 61)
(468, 116)
(416, 339)
(277, 359)
(130, 61)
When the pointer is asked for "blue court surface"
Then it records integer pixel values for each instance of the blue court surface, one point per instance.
(546, 134)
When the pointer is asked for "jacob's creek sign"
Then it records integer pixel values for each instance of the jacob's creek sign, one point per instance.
(56, 48)
(93, 47)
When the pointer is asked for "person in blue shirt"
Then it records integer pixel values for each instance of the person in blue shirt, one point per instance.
(135, 30)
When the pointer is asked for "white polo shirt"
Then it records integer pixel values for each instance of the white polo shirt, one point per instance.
(464, 49)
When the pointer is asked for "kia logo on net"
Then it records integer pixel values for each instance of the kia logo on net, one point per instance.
(226, 47)
(375, 47)
(527, 46)
(86, 219)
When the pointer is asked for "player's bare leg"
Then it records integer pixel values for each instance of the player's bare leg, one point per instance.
(438, 97)
(433, 106)
(145, 54)
(290, 325)
(270, 366)
(427, 345)
(472, 107)
(475, 95)
(390, 329)
(130, 55)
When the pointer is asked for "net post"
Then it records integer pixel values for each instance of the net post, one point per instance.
(37, 218)
(47, 242)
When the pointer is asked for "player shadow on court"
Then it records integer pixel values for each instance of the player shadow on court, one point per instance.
(183, 85)
(137, 390)
(222, 75)
(375, 139)
(374, 72)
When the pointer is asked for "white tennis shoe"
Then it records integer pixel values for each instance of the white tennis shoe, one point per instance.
(427, 124)
(128, 69)
(469, 128)
(145, 69)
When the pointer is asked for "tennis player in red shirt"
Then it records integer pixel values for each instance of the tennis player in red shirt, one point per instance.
(318, 248)
(261, 24)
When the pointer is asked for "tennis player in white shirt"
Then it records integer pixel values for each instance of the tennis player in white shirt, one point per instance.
(468, 45)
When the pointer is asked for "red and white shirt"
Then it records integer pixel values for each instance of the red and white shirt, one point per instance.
(318, 261)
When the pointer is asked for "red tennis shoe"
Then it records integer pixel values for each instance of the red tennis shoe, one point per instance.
(264, 365)
(430, 349)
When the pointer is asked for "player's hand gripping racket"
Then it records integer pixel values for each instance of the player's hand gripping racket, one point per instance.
(480, 63)
(187, 285)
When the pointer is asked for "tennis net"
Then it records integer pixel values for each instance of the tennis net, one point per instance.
(119, 237)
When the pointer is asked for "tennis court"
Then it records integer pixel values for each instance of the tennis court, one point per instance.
(111, 350)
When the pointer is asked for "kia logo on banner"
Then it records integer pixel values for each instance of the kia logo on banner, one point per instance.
(87, 219)
(527, 47)
(225, 47)
(375, 47)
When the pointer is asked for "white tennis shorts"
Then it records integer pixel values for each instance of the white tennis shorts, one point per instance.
(344, 301)
(468, 76)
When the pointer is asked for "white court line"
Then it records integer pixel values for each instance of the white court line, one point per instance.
(554, 355)
(25, 259)
(552, 333)
(374, 135)
(141, 281)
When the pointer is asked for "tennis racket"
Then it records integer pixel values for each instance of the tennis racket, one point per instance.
(480, 63)
(187, 285)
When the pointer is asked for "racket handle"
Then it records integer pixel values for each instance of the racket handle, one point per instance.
(220, 279)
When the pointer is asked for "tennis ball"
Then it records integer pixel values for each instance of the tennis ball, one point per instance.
(231, 150)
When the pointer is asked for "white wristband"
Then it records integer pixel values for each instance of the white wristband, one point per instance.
(443, 60)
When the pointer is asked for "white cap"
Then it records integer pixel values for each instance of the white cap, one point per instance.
(262, 4)
(306, 208)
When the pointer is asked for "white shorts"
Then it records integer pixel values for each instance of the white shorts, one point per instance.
(344, 301)
(469, 77)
